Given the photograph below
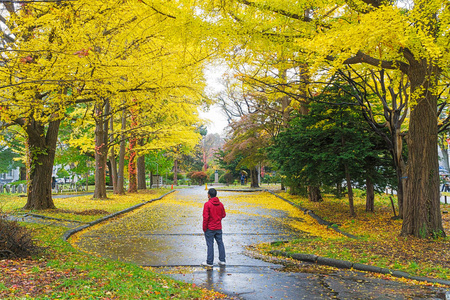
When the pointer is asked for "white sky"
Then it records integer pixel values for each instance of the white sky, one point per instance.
(214, 116)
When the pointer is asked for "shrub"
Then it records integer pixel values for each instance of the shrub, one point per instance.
(198, 177)
(15, 240)
(227, 178)
(91, 180)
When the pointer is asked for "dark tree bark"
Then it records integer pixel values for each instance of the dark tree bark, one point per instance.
(132, 171)
(339, 190)
(112, 156)
(141, 173)
(421, 205)
(120, 171)
(41, 155)
(175, 172)
(132, 188)
(370, 196)
(314, 194)
(254, 177)
(101, 149)
(151, 179)
(23, 173)
(422, 215)
(350, 191)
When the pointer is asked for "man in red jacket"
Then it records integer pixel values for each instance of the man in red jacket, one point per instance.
(213, 213)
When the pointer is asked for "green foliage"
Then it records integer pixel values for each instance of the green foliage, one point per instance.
(91, 180)
(18, 182)
(227, 178)
(314, 149)
(271, 177)
(231, 166)
(7, 159)
(158, 162)
(212, 174)
(62, 173)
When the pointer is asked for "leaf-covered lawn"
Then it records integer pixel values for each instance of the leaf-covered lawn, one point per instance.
(380, 244)
(62, 272)
(82, 208)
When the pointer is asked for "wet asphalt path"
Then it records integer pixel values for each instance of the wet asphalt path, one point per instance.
(168, 234)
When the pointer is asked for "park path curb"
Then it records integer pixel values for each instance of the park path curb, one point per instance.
(321, 221)
(241, 190)
(343, 264)
(71, 232)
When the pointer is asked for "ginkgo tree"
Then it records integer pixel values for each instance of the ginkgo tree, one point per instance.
(61, 54)
(410, 37)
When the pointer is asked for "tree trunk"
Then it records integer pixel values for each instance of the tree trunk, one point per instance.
(175, 172)
(151, 179)
(112, 156)
(314, 194)
(41, 148)
(350, 191)
(339, 189)
(132, 187)
(254, 177)
(422, 214)
(399, 163)
(23, 173)
(87, 180)
(101, 149)
(120, 172)
(141, 173)
(370, 196)
(401, 188)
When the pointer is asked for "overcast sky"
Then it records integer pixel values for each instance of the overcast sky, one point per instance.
(215, 116)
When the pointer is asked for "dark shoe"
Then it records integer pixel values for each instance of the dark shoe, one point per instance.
(206, 265)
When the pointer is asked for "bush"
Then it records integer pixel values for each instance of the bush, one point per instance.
(227, 178)
(198, 177)
(15, 240)
(91, 180)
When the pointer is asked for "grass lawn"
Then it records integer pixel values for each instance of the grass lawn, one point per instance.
(62, 272)
(379, 243)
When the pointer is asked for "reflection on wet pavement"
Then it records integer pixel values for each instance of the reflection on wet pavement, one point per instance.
(168, 234)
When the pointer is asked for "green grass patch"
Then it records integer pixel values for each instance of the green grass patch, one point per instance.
(63, 272)
(379, 243)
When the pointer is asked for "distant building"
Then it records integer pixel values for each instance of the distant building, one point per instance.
(12, 175)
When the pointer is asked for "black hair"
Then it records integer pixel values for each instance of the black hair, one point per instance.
(212, 192)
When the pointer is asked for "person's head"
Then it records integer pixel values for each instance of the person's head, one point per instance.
(212, 193)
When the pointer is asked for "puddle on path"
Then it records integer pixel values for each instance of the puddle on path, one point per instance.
(168, 233)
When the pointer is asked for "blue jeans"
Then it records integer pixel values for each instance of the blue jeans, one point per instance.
(210, 236)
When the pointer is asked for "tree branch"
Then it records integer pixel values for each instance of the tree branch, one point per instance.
(364, 58)
(275, 10)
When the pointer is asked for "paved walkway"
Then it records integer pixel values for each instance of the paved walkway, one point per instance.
(168, 234)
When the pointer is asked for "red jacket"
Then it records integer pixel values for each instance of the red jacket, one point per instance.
(213, 213)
